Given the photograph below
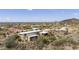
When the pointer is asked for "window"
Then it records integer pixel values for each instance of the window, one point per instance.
(33, 38)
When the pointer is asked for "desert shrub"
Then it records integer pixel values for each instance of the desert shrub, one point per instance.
(64, 41)
(11, 41)
(2, 33)
(44, 41)
(40, 45)
(74, 47)
(1, 29)
(59, 42)
(52, 38)
(21, 46)
(71, 41)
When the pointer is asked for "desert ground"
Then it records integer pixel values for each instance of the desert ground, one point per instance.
(62, 35)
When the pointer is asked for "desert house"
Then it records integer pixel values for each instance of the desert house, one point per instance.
(30, 35)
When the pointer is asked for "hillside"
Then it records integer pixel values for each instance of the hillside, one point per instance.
(70, 21)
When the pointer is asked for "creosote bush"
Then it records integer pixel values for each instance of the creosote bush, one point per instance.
(11, 41)
(44, 41)
(64, 41)
(59, 42)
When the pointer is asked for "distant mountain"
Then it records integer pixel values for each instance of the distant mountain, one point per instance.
(70, 21)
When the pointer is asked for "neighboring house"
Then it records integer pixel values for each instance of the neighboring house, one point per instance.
(30, 35)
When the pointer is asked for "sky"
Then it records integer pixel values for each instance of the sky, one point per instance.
(37, 15)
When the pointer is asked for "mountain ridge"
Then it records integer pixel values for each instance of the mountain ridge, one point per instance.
(70, 21)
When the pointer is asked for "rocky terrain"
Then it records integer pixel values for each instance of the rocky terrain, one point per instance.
(55, 40)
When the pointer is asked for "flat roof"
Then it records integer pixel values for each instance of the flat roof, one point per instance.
(43, 32)
(32, 35)
(30, 32)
